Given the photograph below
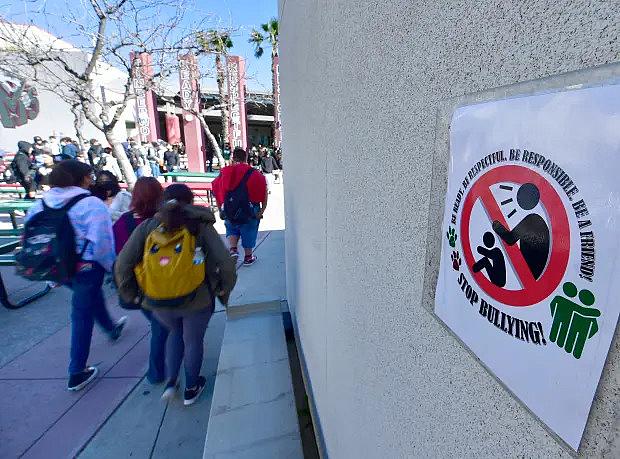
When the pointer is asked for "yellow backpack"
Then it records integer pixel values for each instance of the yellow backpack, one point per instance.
(172, 267)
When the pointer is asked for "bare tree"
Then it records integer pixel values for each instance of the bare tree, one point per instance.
(105, 32)
(78, 124)
(218, 43)
(269, 36)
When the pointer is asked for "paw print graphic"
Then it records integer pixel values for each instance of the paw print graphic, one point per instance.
(451, 234)
(456, 260)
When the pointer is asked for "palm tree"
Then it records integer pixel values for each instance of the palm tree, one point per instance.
(218, 43)
(268, 35)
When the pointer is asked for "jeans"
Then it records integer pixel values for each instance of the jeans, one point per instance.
(87, 307)
(157, 355)
(185, 342)
(155, 169)
(248, 232)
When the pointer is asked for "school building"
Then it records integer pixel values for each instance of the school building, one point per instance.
(26, 110)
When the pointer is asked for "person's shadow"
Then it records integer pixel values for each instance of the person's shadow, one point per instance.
(532, 232)
(492, 260)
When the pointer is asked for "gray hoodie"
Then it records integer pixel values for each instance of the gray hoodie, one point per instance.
(91, 222)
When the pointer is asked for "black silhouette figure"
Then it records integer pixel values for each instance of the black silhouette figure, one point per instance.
(532, 232)
(492, 260)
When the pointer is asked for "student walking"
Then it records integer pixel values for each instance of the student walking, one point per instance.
(94, 152)
(171, 158)
(138, 159)
(241, 195)
(107, 188)
(107, 162)
(152, 156)
(68, 149)
(175, 263)
(146, 198)
(23, 169)
(268, 165)
(84, 264)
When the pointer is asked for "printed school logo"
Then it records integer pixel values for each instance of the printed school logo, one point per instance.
(515, 234)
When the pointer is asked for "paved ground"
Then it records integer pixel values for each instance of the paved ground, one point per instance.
(120, 415)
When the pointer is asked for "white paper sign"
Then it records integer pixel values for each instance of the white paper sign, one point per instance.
(529, 276)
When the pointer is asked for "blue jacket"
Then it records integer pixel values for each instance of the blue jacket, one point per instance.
(69, 151)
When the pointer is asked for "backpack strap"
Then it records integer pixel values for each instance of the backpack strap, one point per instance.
(66, 208)
(245, 178)
(73, 201)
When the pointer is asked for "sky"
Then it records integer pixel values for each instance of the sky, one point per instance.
(240, 15)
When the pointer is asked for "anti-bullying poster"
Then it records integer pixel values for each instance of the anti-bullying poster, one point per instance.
(529, 277)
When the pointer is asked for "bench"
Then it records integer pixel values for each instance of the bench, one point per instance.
(10, 207)
(7, 258)
(12, 188)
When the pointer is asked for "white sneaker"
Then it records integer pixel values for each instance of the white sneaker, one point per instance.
(170, 391)
(118, 329)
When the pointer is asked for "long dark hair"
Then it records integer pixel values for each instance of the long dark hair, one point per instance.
(172, 212)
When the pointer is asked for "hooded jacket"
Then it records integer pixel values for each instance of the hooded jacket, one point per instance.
(69, 151)
(221, 274)
(21, 162)
(94, 154)
(91, 222)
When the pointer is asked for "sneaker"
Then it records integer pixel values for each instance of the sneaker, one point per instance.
(191, 395)
(118, 328)
(170, 390)
(249, 261)
(234, 253)
(81, 380)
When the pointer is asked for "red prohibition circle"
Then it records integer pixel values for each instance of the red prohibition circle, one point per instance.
(533, 290)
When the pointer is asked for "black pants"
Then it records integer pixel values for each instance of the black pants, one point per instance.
(28, 183)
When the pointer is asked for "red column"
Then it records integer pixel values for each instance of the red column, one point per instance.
(237, 132)
(190, 104)
(173, 128)
(146, 101)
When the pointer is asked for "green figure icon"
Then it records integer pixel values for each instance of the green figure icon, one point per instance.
(573, 324)
(451, 234)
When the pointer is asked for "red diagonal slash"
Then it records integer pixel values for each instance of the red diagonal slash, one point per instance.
(514, 253)
(532, 291)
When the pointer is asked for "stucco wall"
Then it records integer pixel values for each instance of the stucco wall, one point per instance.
(362, 85)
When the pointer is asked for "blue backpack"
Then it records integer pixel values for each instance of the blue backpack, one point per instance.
(237, 207)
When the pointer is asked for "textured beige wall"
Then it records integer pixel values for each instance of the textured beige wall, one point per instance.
(362, 84)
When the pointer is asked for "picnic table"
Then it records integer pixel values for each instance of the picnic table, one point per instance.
(201, 190)
(7, 258)
(182, 176)
(9, 188)
(12, 206)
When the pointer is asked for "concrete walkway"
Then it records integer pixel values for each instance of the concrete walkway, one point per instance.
(38, 416)
(120, 415)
